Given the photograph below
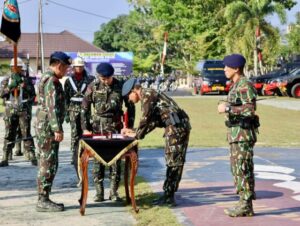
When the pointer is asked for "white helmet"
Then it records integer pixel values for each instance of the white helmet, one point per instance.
(19, 62)
(78, 61)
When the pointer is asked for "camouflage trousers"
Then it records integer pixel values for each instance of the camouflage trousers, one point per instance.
(48, 162)
(175, 152)
(242, 169)
(76, 131)
(12, 122)
(114, 172)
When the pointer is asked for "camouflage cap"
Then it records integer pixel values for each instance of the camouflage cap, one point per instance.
(234, 61)
(128, 86)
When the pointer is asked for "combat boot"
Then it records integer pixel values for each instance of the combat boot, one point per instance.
(113, 193)
(243, 208)
(99, 197)
(44, 204)
(4, 161)
(165, 200)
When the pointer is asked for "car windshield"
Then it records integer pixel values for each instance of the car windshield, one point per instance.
(212, 72)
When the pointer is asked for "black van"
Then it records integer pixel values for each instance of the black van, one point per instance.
(212, 78)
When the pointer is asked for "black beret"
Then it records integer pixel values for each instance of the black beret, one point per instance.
(61, 56)
(234, 61)
(128, 86)
(105, 69)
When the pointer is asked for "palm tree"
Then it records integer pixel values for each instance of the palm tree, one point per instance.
(247, 26)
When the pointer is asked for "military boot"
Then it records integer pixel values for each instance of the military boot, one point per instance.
(99, 197)
(4, 161)
(243, 208)
(165, 200)
(113, 193)
(44, 204)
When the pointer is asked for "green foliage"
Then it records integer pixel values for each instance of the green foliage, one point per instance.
(294, 36)
(243, 21)
(196, 29)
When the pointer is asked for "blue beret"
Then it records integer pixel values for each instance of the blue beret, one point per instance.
(105, 69)
(127, 86)
(61, 56)
(234, 61)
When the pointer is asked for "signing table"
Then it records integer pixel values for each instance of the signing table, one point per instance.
(107, 151)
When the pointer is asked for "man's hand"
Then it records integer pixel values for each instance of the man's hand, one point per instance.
(86, 132)
(222, 107)
(58, 136)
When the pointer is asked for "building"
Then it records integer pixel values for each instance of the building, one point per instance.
(64, 41)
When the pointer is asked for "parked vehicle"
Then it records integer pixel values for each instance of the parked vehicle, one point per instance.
(211, 78)
(261, 82)
(288, 85)
(293, 84)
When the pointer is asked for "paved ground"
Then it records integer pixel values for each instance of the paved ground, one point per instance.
(206, 189)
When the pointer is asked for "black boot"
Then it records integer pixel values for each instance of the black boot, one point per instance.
(165, 200)
(113, 194)
(99, 197)
(4, 161)
(44, 204)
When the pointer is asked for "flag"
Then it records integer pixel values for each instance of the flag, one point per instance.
(164, 53)
(11, 22)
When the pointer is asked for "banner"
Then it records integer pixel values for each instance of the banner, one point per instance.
(121, 61)
(11, 22)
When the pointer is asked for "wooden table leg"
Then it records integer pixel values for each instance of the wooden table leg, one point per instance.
(84, 162)
(132, 155)
(127, 161)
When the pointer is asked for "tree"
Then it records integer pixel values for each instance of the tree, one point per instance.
(293, 36)
(247, 19)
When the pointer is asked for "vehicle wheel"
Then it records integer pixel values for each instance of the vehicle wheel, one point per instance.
(296, 90)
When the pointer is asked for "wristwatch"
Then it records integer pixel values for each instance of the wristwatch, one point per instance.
(227, 109)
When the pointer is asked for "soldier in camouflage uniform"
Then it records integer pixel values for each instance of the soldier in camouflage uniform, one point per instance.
(105, 96)
(242, 126)
(18, 93)
(159, 110)
(75, 87)
(49, 130)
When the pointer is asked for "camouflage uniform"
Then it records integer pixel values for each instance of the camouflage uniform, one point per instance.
(241, 135)
(74, 92)
(50, 117)
(158, 110)
(17, 112)
(107, 104)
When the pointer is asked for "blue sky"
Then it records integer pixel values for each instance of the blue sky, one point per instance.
(57, 18)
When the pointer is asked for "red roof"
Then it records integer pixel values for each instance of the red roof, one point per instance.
(64, 41)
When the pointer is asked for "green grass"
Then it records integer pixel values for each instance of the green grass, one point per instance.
(149, 215)
(279, 127)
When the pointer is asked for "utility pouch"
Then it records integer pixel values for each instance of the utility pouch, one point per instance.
(256, 122)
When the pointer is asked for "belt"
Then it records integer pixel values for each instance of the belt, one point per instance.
(77, 99)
